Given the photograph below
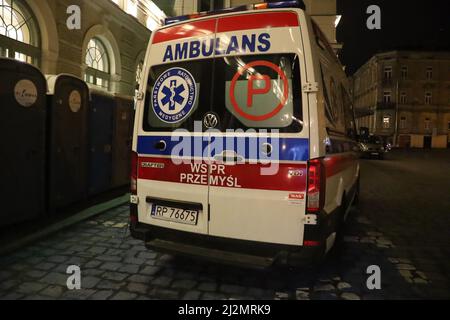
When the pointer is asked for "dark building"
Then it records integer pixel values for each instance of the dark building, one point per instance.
(405, 97)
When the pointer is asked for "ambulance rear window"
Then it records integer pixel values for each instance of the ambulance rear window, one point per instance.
(259, 92)
(244, 92)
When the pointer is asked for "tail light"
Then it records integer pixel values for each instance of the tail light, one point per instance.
(316, 186)
(134, 172)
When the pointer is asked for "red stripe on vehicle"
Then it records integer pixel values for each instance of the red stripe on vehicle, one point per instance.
(258, 21)
(337, 163)
(290, 177)
(186, 30)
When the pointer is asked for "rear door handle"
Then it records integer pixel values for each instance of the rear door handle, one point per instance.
(229, 156)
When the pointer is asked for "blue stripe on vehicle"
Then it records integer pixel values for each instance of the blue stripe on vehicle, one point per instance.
(290, 149)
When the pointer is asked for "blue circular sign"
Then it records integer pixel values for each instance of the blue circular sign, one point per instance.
(174, 95)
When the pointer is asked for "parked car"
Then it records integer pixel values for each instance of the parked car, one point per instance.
(373, 146)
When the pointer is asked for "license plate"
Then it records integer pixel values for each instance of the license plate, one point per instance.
(177, 215)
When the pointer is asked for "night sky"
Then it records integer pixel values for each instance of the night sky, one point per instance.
(406, 24)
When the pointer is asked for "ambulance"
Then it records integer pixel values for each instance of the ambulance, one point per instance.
(244, 148)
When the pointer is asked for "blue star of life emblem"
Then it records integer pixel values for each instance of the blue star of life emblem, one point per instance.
(174, 95)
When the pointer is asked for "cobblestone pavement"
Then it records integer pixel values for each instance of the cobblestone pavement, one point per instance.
(404, 240)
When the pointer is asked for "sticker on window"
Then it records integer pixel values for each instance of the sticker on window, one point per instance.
(174, 95)
(257, 98)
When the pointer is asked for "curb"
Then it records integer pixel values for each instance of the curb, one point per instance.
(76, 218)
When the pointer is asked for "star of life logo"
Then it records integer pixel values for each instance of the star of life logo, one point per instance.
(174, 95)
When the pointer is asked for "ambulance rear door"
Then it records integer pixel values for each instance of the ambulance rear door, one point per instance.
(260, 145)
(172, 176)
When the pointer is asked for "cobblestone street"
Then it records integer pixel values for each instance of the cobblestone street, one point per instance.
(412, 252)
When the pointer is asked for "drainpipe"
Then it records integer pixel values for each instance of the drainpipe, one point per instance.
(396, 114)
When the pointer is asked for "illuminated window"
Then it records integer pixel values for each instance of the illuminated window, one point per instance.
(97, 61)
(428, 98)
(387, 97)
(403, 98)
(19, 32)
(403, 123)
(386, 122)
(388, 73)
(404, 73)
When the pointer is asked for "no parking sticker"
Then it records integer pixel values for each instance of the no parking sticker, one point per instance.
(174, 95)
(252, 91)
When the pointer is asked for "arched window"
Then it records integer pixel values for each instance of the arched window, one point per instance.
(98, 64)
(19, 32)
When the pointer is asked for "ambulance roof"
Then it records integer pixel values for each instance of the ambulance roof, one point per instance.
(259, 6)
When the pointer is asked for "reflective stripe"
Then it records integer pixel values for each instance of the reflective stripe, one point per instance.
(243, 21)
(241, 176)
(257, 21)
(289, 149)
(191, 29)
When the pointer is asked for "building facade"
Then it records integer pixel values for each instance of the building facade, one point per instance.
(107, 50)
(405, 97)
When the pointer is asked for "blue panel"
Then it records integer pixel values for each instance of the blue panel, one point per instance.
(100, 143)
(290, 149)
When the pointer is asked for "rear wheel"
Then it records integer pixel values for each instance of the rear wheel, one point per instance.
(340, 231)
(340, 223)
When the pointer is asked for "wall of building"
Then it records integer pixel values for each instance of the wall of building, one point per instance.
(63, 50)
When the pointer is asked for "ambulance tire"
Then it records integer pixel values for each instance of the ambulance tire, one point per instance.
(340, 230)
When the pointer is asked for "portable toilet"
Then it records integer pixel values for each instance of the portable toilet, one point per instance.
(67, 108)
(100, 138)
(22, 144)
(123, 122)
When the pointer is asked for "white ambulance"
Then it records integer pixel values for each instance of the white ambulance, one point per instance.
(244, 148)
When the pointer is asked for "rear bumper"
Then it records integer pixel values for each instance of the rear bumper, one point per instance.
(233, 252)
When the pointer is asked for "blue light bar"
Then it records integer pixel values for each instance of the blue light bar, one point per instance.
(265, 5)
(173, 20)
(286, 4)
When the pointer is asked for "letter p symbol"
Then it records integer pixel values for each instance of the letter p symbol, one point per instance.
(259, 90)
